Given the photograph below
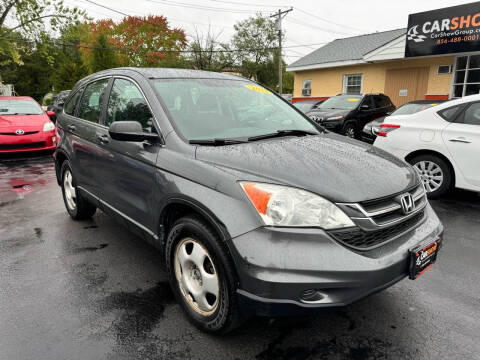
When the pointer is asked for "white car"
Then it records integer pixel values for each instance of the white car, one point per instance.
(442, 143)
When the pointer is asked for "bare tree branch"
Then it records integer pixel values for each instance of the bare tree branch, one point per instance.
(6, 11)
(37, 19)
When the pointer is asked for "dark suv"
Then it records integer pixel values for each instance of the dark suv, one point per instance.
(348, 114)
(256, 209)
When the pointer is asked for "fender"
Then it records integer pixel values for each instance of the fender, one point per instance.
(218, 226)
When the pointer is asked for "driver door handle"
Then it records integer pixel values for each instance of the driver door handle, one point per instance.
(71, 128)
(103, 139)
(460, 139)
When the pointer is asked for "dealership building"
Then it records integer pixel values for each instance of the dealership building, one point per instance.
(436, 57)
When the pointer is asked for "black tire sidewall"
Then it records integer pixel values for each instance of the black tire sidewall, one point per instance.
(194, 228)
(447, 174)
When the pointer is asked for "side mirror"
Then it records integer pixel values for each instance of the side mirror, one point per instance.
(130, 131)
(52, 115)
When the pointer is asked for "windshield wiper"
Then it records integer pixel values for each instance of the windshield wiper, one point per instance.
(216, 142)
(281, 133)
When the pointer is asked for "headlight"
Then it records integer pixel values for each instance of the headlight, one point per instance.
(335, 118)
(49, 126)
(286, 206)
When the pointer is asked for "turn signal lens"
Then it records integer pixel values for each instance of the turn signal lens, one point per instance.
(257, 196)
(386, 128)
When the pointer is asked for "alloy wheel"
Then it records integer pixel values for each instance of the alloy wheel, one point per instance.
(196, 276)
(350, 132)
(70, 194)
(431, 174)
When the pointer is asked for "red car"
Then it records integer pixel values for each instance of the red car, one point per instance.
(24, 126)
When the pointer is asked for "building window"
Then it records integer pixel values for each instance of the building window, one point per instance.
(466, 78)
(444, 69)
(352, 84)
(307, 88)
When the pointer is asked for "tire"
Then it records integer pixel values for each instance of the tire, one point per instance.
(350, 130)
(77, 206)
(430, 169)
(216, 311)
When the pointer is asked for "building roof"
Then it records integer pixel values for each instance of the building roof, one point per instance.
(347, 50)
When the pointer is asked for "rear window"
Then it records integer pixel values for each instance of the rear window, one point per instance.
(19, 107)
(71, 106)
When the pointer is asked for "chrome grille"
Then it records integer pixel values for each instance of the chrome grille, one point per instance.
(363, 240)
(381, 220)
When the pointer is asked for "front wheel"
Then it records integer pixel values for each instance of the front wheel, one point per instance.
(202, 275)
(435, 174)
(350, 130)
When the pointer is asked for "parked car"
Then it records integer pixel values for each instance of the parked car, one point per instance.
(259, 212)
(348, 114)
(24, 126)
(370, 130)
(442, 143)
(58, 101)
(307, 105)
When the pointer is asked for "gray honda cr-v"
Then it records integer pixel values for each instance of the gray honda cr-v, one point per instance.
(256, 209)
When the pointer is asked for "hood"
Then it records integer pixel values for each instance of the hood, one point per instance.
(326, 113)
(24, 122)
(330, 165)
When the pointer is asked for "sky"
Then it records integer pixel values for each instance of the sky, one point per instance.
(310, 24)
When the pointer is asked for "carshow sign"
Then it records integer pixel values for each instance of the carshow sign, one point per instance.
(444, 31)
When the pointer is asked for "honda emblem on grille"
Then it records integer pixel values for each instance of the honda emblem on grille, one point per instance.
(19, 132)
(408, 205)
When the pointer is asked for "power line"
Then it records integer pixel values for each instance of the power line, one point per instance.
(59, 43)
(298, 22)
(203, 7)
(326, 20)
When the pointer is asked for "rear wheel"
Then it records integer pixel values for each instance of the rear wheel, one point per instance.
(350, 130)
(202, 275)
(435, 174)
(77, 206)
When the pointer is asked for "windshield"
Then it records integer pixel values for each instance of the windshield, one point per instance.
(408, 109)
(303, 105)
(226, 109)
(19, 107)
(342, 102)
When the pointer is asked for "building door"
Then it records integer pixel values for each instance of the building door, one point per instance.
(404, 85)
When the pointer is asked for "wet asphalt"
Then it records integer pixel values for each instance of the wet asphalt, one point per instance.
(92, 290)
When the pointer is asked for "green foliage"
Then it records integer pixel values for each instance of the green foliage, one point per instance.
(31, 18)
(103, 55)
(255, 37)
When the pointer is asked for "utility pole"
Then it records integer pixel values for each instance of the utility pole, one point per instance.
(278, 27)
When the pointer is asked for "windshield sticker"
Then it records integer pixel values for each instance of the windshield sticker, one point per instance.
(433, 104)
(353, 100)
(257, 89)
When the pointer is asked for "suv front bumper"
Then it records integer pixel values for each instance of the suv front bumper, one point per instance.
(277, 265)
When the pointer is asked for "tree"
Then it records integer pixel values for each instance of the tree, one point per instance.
(28, 18)
(256, 39)
(207, 53)
(140, 41)
(103, 55)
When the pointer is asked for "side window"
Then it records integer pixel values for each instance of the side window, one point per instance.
(126, 103)
(450, 113)
(90, 106)
(368, 100)
(472, 114)
(377, 102)
(72, 104)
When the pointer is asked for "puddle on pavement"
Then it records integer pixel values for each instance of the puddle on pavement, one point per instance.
(141, 311)
(20, 177)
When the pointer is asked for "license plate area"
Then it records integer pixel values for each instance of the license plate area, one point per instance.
(422, 258)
